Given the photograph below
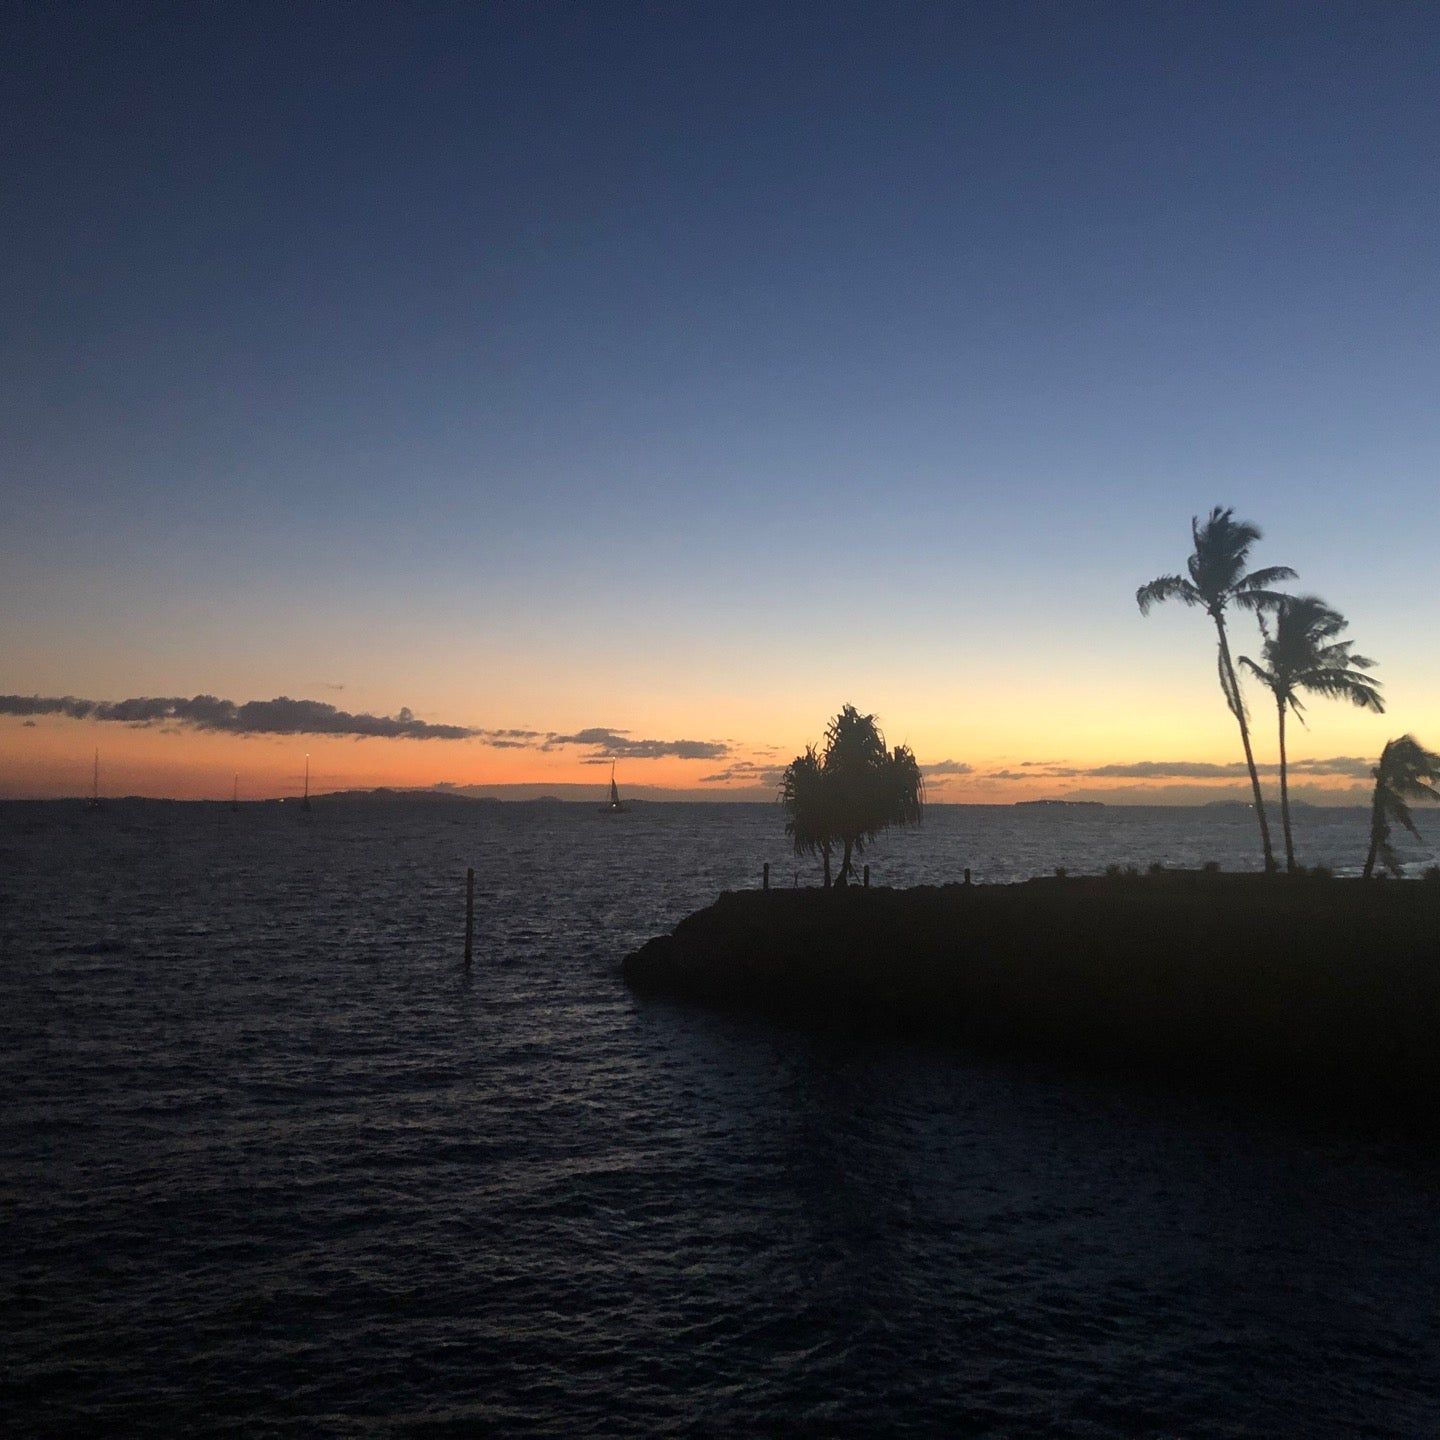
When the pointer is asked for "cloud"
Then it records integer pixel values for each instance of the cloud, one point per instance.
(281, 716)
(752, 772)
(1199, 793)
(1344, 766)
(284, 716)
(947, 767)
(606, 743)
(1351, 765)
(1159, 769)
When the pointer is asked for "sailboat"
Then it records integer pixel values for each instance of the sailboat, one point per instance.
(616, 806)
(305, 799)
(94, 803)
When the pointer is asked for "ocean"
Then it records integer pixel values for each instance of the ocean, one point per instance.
(274, 1163)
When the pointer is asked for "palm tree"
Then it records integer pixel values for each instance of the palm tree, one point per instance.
(1407, 771)
(1306, 653)
(1217, 579)
(805, 796)
(851, 792)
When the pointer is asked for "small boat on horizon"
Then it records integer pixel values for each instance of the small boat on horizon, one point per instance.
(616, 806)
(94, 802)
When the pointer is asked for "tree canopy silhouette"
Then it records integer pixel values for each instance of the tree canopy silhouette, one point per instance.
(1407, 771)
(805, 797)
(1217, 580)
(847, 794)
(1304, 653)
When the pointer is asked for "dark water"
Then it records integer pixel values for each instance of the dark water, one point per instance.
(272, 1163)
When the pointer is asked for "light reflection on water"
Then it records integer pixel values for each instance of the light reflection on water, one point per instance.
(273, 1161)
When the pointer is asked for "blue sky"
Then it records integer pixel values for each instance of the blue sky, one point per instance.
(567, 365)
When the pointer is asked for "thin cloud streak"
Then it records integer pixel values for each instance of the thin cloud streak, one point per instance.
(1351, 767)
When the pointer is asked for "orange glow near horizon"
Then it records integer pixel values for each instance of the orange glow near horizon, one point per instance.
(52, 758)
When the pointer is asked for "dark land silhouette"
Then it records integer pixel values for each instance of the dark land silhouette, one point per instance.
(1309, 987)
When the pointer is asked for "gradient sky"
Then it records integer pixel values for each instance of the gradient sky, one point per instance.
(692, 369)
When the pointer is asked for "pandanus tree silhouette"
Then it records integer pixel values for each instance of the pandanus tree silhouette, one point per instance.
(852, 791)
(1304, 652)
(805, 798)
(1407, 771)
(1218, 579)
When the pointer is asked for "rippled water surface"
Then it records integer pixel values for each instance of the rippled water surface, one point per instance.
(273, 1163)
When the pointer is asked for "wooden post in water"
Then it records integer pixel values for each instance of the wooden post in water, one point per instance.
(866, 881)
(967, 874)
(765, 880)
(469, 915)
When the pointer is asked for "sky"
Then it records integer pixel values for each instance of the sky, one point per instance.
(642, 382)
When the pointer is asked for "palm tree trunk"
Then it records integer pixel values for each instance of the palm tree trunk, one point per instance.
(845, 867)
(1377, 833)
(825, 852)
(1237, 708)
(1285, 799)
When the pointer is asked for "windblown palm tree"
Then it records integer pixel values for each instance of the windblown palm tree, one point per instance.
(1304, 652)
(1217, 580)
(850, 793)
(805, 796)
(1407, 771)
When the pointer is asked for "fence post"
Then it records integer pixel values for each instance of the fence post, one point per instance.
(967, 874)
(866, 881)
(469, 915)
(765, 881)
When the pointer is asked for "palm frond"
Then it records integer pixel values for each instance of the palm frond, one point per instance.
(1303, 653)
(1338, 684)
(1256, 600)
(1222, 546)
(1265, 578)
(1407, 768)
(1167, 587)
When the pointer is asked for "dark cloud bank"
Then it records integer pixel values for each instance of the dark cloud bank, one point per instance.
(284, 716)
